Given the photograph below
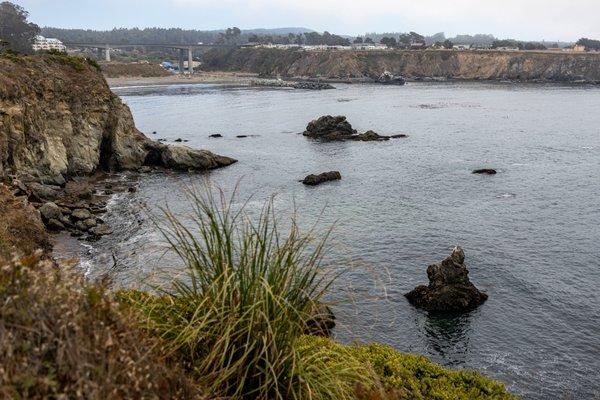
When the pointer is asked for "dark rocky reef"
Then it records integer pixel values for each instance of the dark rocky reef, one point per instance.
(333, 128)
(487, 171)
(387, 78)
(449, 289)
(313, 180)
(313, 86)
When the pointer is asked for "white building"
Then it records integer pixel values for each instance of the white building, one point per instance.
(42, 43)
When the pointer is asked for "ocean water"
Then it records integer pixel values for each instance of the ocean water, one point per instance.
(531, 233)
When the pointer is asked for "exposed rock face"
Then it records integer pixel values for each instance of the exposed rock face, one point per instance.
(387, 78)
(418, 65)
(449, 289)
(332, 128)
(313, 180)
(183, 158)
(61, 120)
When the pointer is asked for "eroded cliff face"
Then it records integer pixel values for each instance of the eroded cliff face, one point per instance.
(468, 65)
(59, 117)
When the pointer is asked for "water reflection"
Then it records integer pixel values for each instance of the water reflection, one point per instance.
(448, 336)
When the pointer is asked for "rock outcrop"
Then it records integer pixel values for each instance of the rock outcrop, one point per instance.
(387, 78)
(313, 180)
(449, 289)
(58, 118)
(332, 128)
(431, 65)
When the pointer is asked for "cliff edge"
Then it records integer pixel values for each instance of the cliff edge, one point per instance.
(463, 65)
(58, 117)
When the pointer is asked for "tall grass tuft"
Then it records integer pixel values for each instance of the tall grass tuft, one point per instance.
(236, 316)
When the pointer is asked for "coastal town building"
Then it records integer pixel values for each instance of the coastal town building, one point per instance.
(42, 43)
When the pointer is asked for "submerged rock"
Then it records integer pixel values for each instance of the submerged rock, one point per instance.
(449, 289)
(215, 135)
(313, 180)
(488, 171)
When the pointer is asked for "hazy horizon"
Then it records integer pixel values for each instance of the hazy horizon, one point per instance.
(536, 21)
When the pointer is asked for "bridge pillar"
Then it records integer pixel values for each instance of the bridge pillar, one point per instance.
(181, 71)
(190, 62)
(107, 52)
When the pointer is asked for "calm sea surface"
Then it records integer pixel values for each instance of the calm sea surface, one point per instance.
(531, 233)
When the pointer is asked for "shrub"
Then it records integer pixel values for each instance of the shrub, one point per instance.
(236, 318)
(386, 374)
(61, 337)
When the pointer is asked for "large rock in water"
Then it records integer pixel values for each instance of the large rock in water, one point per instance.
(329, 127)
(184, 158)
(449, 289)
(387, 78)
(332, 128)
(58, 117)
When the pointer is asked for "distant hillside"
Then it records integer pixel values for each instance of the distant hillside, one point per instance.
(157, 35)
(275, 31)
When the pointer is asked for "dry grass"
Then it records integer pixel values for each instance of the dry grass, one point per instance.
(61, 337)
(21, 229)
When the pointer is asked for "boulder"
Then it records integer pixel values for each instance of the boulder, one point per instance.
(313, 180)
(449, 289)
(329, 127)
(43, 192)
(399, 136)
(215, 135)
(81, 214)
(184, 158)
(50, 211)
(321, 322)
(101, 230)
(90, 222)
(55, 225)
(487, 171)
(369, 136)
(338, 128)
(387, 78)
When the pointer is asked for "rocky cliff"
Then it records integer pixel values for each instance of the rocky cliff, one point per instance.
(58, 118)
(467, 65)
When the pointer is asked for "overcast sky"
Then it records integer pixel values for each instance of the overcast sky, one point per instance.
(520, 19)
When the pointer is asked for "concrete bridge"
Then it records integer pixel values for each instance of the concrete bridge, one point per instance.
(181, 47)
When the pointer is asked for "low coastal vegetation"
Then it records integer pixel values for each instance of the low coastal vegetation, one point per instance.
(239, 323)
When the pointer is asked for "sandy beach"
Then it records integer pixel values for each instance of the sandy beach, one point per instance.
(233, 78)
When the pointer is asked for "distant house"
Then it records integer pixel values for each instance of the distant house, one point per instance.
(41, 43)
(417, 45)
(579, 48)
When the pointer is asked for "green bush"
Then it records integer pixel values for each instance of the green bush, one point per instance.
(418, 378)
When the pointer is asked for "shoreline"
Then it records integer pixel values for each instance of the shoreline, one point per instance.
(253, 79)
(227, 78)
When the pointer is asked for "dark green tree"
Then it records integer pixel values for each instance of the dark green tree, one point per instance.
(358, 40)
(448, 44)
(15, 30)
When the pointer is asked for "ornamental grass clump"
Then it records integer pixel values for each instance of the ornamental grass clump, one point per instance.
(236, 315)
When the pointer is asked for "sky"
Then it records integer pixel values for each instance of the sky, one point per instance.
(550, 20)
